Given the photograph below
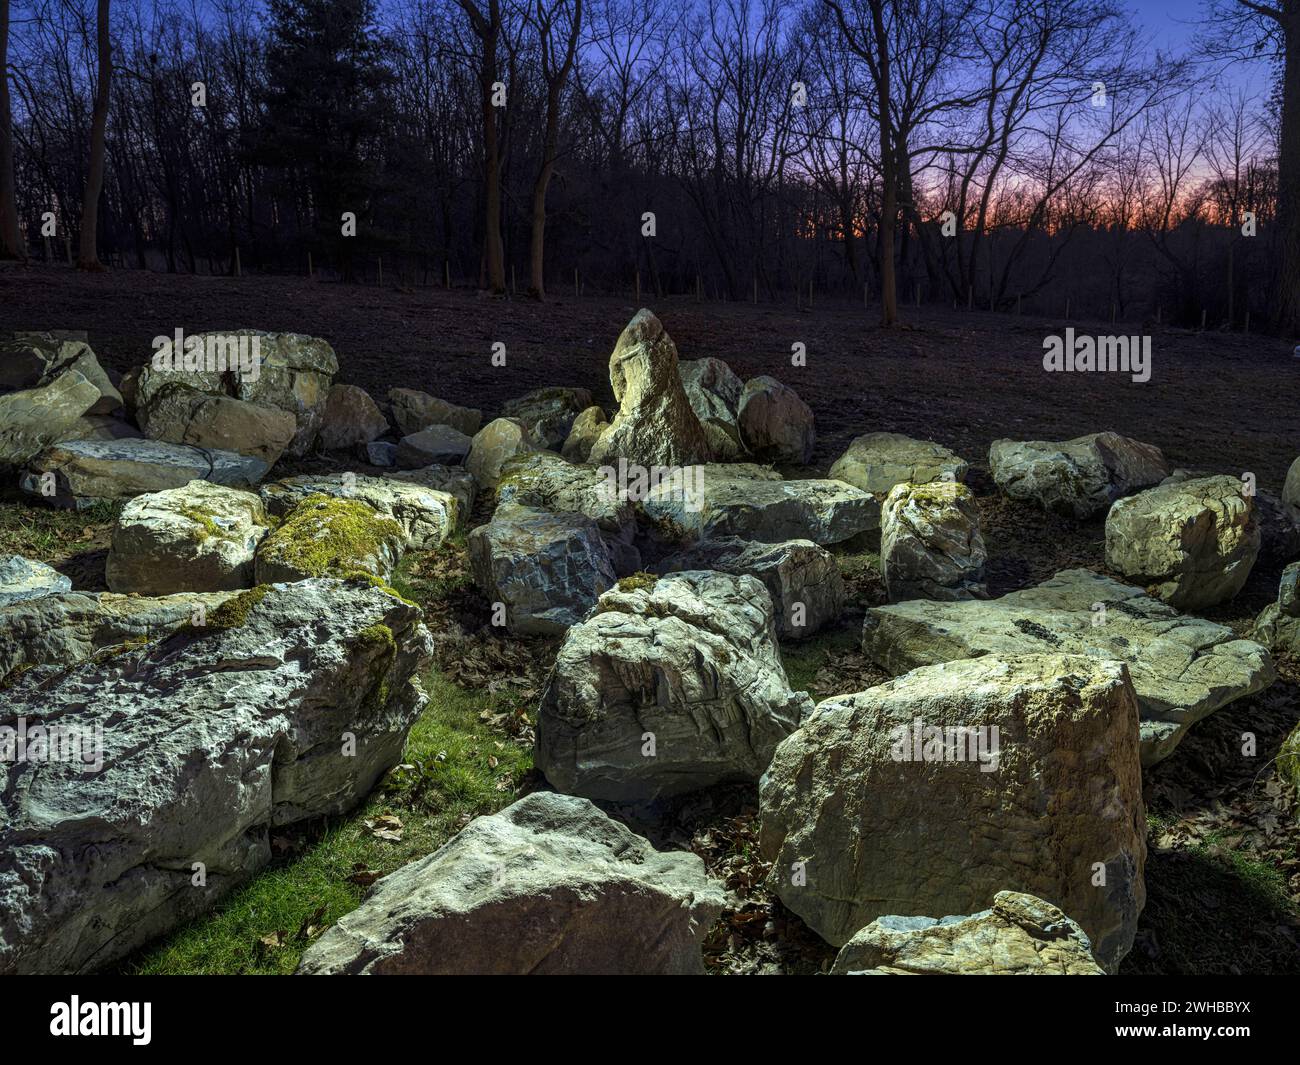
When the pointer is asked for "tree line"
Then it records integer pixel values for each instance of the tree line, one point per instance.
(987, 152)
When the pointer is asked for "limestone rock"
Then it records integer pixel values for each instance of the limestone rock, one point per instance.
(547, 569)
(1020, 935)
(1075, 478)
(1183, 668)
(199, 538)
(34, 418)
(209, 742)
(416, 411)
(931, 546)
(548, 413)
(99, 427)
(878, 461)
(655, 425)
(378, 453)
(37, 359)
(1278, 625)
(775, 424)
(179, 415)
(456, 481)
(87, 471)
(427, 516)
(436, 445)
(351, 417)
(493, 446)
(550, 885)
(1291, 490)
(887, 819)
(1195, 541)
(68, 627)
(1279, 525)
(803, 579)
(22, 579)
(715, 391)
(584, 433)
(325, 536)
(740, 499)
(690, 658)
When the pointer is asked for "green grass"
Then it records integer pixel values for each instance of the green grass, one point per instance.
(48, 534)
(802, 660)
(447, 777)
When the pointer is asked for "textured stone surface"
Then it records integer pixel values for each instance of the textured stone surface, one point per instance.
(437, 445)
(427, 516)
(1195, 541)
(717, 500)
(547, 569)
(1278, 625)
(548, 413)
(878, 461)
(1183, 668)
(583, 434)
(655, 425)
(1019, 935)
(210, 740)
(493, 446)
(351, 417)
(714, 392)
(33, 359)
(179, 415)
(99, 427)
(775, 424)
(456, 481)
(34, 418)
(414, 411)
(86, 471)
(1075, 478)
(198, 538)
(690, 658)
(24, 578)
(69, 627)
(550, 885)
(1291, 489)
(378, 453)
(326, 536)
(931, 546)
(882, 831)
(803, 579)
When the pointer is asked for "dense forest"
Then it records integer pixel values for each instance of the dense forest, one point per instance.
(992, 153)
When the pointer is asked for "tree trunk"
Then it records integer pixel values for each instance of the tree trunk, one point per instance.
(1287, 297)
(12, 244)
(888, 175)
(88, 258)
(494, 250)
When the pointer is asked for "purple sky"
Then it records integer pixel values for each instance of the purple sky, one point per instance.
(1172, 25)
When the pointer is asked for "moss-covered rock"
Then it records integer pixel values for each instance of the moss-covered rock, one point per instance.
(329, 537)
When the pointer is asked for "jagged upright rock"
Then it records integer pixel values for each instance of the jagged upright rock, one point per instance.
(903, 798)
(931, 546)
(655, 425)
(715, 392)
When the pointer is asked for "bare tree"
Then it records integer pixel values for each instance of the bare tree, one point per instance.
(12, 246)
(87, 255)
(486, 23)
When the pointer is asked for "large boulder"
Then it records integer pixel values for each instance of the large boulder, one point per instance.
(199, 538)
(427, 516)
(672, 685)
(414, 411)
(456, 481)
(34, 418)
(327, 536)
(931, 546)
(548, 413)
(775, 424)
(543, 479)
(438, 445)
(903, 799)
(550, 885)
(1076, 478)
(878, 461)
(69, 627)
(803, 579)
(99, 427)
(286, 706)
(1195, 541)
(1183, 668)
(655, 425)
(180, 415)
(546, 569)
(741, 499)
(1278, 625)
(78, 473)
(22, 579)
(351, 418)
(1279, 526)
(34, 359)
(583, 434)
(1019, 935)
(493, 446)
(1291, 490)
(715, 391)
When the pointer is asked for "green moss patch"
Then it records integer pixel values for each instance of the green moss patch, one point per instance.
(328, 537)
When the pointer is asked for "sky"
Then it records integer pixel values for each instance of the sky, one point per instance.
(1174, 23)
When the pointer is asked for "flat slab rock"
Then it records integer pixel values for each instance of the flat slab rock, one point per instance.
(715, 500)
(208, 741)
(89, 471)
(24, 578)
(1019, 935)
(1183, 668)
(878, 461)
(550, 885)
